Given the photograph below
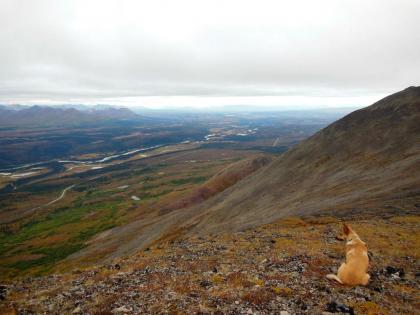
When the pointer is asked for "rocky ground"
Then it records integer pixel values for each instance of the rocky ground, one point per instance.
(276, 269)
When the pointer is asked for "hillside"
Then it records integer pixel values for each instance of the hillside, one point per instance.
(278, 268)
(366, 162)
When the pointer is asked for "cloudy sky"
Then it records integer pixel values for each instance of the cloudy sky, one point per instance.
(288, 53)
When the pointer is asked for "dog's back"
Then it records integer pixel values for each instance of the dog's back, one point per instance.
(354, 270)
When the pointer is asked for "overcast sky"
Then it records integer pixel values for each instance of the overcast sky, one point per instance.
(287, 53)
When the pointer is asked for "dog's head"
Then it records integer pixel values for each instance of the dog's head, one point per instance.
(349, 233)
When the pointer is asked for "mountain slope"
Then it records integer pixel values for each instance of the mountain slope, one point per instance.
(368, 161)
(273, 268)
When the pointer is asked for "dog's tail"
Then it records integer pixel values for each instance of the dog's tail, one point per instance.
(334, 277)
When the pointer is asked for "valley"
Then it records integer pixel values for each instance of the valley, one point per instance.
(121, 176)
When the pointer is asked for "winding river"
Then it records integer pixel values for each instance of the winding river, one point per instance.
(56, 166)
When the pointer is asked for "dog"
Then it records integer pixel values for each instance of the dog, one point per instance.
(354, 271)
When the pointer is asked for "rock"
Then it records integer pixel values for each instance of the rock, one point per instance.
(379, 289)
(205, 283)
(284, 313)
(394, 272)
(77, 310)
(323, 288)
(3, 292)
(335, 307)
(121, 310)
(358, 291)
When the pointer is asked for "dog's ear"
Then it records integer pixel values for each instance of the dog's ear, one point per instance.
(346, 229)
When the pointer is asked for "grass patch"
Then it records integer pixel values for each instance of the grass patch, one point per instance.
(146, 196)
(68, 221)
(52, 255)
(188, 180)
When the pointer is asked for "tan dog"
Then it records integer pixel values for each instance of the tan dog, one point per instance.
(354, 270)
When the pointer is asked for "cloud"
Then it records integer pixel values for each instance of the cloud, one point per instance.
(134, 51)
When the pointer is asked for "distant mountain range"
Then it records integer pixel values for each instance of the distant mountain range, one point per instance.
(60, 116)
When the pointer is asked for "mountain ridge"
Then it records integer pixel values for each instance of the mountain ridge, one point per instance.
(57, 116)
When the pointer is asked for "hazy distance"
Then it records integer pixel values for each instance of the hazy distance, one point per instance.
(207, 54)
